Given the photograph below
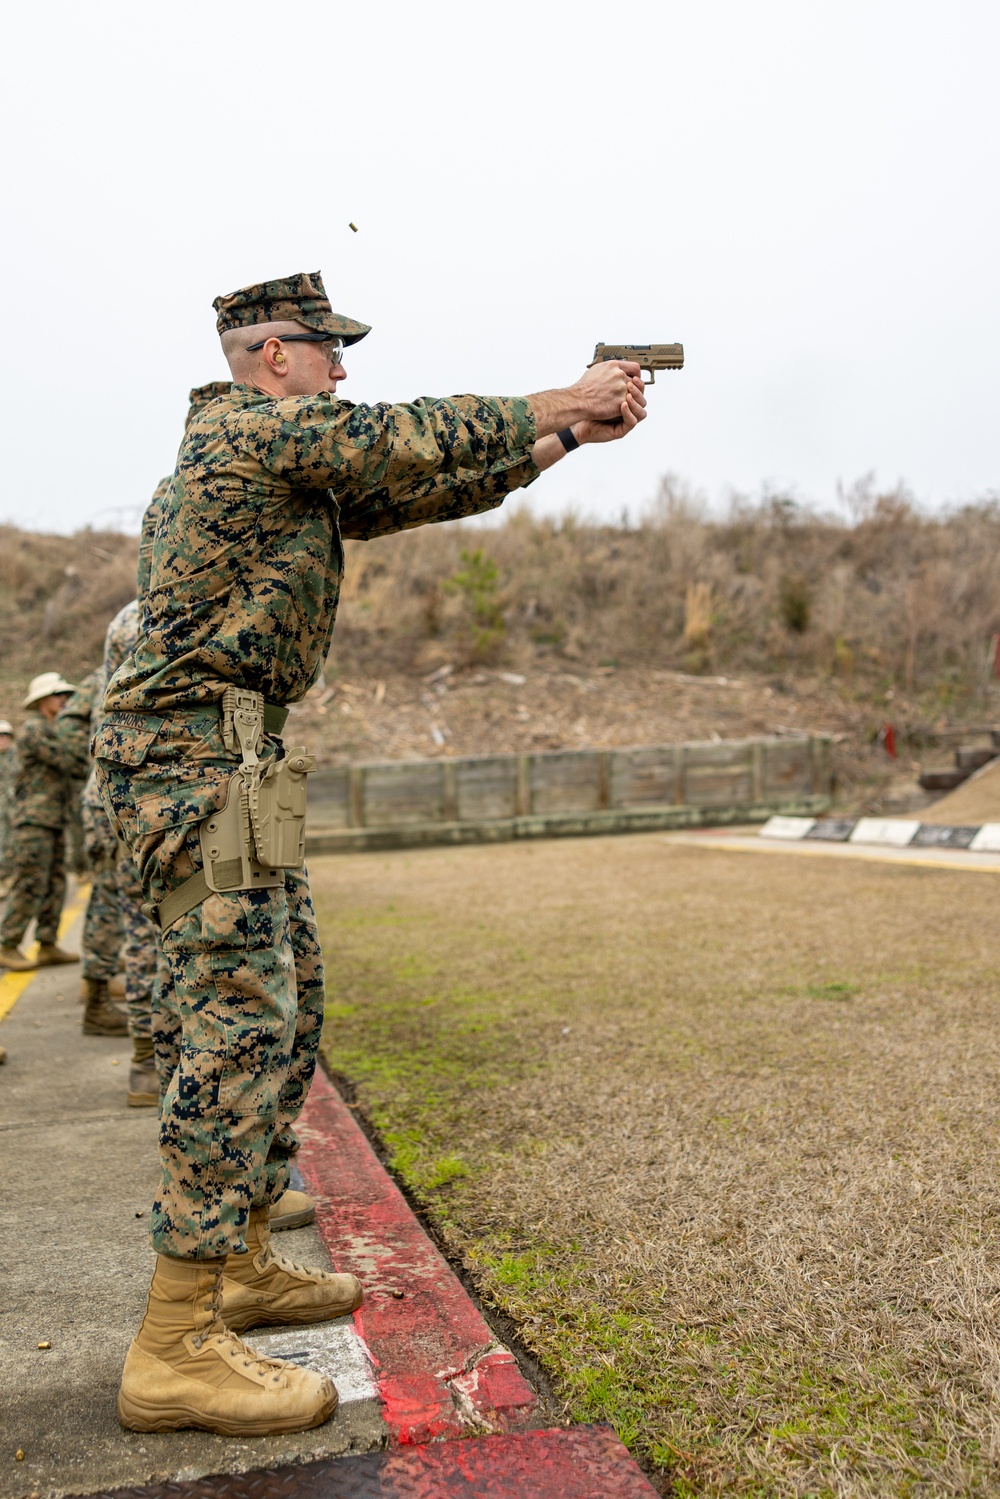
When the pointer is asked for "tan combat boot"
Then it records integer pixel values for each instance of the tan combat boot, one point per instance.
(13, 958)
(292, 1210)
(50, 955)
(261, 1288)
(100, 1018)
(184, 1369)
(143, 1086)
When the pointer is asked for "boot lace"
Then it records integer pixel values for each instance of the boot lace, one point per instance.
(292, 1267)
(235, 1349)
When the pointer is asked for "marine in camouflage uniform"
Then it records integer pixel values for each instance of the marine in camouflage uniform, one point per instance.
(103, 934)
(245, 576)
(7, 764)
(48, 769)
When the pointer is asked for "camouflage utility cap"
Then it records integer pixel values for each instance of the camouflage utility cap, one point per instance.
(294, 299)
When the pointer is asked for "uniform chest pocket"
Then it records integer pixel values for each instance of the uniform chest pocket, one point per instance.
(125, 738)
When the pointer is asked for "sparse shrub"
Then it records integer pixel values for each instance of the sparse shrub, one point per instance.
(795, 603)
(477, 583)
(698, 615)
(843, 657)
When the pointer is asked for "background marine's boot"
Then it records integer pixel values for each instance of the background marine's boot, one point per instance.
(292, 1210)
(261, 1288)
(50, 955)
(143, 1085)
(14, 959)
(101, 1018)
(185, 1369)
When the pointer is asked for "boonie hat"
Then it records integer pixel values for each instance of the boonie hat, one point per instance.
(204, 395)
(294, 299)
(6, 727)
(44, 686)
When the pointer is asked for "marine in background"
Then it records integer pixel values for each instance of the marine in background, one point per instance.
(103, 933)
(49, 765)
(6, 791)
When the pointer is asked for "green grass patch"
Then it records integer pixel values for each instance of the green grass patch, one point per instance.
(718, 1133)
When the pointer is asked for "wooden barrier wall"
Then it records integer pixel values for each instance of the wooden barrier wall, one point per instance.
(488, 797)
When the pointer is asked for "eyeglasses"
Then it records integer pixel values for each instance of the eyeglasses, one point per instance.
(335, 351)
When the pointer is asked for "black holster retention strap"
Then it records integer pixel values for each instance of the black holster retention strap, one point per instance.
(260, 832)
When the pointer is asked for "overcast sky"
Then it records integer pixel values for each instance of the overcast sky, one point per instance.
(802, 192)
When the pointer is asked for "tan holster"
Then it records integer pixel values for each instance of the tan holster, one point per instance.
(261, 830)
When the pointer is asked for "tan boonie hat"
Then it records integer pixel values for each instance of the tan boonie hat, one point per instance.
(44, 686)
(294, 299)
(6, 727)
(204, 395)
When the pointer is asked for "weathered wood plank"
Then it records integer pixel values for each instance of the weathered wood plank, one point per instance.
(486, 787)
(566, 781)
(412, 791)
(718, 774)
(644, 777)
(789, 766)
(328, 797)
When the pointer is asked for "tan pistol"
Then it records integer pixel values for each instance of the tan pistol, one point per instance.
(649, 357)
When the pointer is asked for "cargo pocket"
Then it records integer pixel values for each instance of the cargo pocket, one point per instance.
(258, 1045)
(184, 802)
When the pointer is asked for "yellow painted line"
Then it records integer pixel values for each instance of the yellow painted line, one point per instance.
(13, 985)
(867, 854)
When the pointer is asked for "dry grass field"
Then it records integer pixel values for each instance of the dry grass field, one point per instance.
(719, 1133)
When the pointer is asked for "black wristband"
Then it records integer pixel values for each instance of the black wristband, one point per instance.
(567, 439)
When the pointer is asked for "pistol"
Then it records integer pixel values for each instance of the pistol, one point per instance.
(648, 356)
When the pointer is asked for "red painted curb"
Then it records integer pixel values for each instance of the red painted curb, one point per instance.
(576, 1462)
(441, 1372)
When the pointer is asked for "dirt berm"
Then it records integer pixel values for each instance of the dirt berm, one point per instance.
(976, 801)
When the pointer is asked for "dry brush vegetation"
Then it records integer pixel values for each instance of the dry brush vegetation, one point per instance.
(896, 596)
(894, 608)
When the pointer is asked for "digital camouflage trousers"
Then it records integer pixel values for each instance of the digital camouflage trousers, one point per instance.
(246, 1033)
(141, 954)
(39, 884)
(115, 932)
(103, 933)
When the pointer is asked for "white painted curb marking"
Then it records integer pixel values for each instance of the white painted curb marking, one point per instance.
(987, 840)
(331, 1348)
(787, 827)
(884, 830)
